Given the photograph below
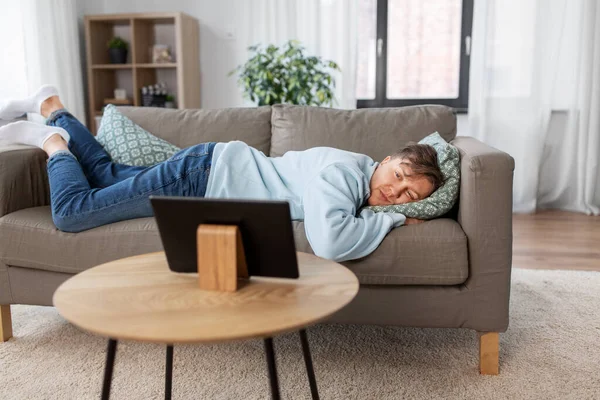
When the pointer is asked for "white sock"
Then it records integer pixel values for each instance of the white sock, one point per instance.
(11, 109)
(26, 132)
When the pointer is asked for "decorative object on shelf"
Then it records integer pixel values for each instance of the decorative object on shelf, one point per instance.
(276, 75)
(170, 101)
(154, 95)
(161, 53)
(117, 50)
(120, 94)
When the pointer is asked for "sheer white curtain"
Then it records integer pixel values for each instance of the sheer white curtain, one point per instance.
(535, 93)
(13, 81)
(326, 28)
(43, 47)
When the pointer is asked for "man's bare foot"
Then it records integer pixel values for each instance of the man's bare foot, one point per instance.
(50, 105)
(55, 143)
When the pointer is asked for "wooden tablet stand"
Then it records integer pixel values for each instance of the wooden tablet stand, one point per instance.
(221, 257)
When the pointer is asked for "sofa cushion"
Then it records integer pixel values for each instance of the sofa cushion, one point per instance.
(29, 238)
(432, 253)
(376, 132)
(128, 143)
(185, 128)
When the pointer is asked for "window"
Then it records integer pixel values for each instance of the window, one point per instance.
(414, 52)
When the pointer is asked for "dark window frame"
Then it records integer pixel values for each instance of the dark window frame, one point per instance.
(460, 104)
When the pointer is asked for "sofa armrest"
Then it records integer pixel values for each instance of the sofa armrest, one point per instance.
(23, 178)
(485, 215)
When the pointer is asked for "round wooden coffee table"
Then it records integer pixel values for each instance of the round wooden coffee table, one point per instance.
(139, 298)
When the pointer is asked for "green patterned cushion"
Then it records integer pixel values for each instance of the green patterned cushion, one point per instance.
(128, 143)
(442, 200)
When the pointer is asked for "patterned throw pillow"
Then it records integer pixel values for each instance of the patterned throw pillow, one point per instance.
(128, 143)
(443, 199)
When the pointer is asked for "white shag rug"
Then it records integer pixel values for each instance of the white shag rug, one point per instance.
(550, 351)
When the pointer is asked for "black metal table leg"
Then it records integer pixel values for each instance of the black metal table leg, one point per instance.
(309, 365)
(169, 373)
(108, 368)
(269, 350)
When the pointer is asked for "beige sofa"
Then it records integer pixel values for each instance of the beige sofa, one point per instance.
(448, 272)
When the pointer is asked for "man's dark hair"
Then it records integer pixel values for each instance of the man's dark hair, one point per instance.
(424, 161)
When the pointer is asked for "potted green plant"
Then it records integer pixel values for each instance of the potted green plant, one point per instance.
(117, 50)
(276, 75)
(170, 101)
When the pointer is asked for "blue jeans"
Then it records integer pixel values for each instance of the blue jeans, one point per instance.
(87, 189)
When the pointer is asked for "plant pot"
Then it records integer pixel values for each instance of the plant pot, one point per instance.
(117, 56)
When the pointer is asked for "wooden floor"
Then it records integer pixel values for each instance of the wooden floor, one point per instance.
(556, 240)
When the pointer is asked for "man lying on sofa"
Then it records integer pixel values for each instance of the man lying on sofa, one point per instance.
(325, 187)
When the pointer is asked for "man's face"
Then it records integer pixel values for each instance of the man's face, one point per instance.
(394, 183)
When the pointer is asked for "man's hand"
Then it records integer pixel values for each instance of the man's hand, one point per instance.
(411, 221)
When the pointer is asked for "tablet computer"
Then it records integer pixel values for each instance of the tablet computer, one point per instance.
(265, 227)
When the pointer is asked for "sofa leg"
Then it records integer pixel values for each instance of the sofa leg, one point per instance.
(5, 323)
(489, 350)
